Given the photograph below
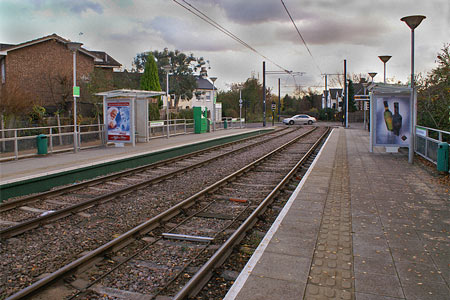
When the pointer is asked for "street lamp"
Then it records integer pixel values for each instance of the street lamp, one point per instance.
(372, 74)
(384, 59)
(167, 69)
(213, 79)
(74, 47)
(412, 22)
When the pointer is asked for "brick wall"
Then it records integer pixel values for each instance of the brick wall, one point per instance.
(44, 71)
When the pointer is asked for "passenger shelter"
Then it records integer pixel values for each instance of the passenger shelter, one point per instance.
(125, 115)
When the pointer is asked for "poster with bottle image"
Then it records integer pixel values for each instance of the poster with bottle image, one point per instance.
(392, 120)
(118, 122)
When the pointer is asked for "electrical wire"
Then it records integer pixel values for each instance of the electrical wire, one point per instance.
(195, 11)
(298, 31)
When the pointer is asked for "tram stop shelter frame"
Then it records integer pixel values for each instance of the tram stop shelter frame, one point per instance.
(138, 101)
(380, 92)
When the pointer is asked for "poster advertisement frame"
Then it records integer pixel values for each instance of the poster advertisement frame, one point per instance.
(392, 116)
(119, 120)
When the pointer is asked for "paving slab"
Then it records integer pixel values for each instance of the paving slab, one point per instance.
(381, 228)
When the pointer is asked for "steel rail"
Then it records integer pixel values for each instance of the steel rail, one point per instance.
(197, 281)
(5, 206)
(142, 228)
(76, 208)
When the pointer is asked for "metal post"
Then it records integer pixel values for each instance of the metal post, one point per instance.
(16, 145)
(412, 106)
(345, 95)
(214, 108)
(51, 139)
(75, 138)
(279, 100)
(240, 109)
(167, 102)
(264, 94)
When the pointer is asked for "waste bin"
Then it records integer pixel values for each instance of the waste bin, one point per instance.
(442, 157)
(225, 125)
(41, 142)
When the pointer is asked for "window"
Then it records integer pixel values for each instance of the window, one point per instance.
(208, 96)
(3, 70)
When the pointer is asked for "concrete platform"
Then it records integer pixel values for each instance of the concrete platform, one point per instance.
(24, 169)
(361, 226)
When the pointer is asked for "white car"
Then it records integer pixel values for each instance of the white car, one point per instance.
(300, 119)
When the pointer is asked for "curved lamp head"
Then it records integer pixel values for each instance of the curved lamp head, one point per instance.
(74, 46)
(384, 58)
(213, 79)
(413, 21)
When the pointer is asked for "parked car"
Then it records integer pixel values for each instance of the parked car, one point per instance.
(300, 119)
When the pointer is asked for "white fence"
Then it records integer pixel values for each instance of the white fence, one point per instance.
(22, 142)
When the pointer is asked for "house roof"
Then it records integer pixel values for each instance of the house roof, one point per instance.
(334, 93)
(204, 83)
(107, 60)
(98, 56)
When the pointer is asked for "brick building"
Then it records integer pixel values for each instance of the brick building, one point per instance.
(40, 72)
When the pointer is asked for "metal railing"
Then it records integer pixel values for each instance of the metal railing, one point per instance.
(165, 128)
(22, 142)
(18, 143)
(427, 141)
(230, 123)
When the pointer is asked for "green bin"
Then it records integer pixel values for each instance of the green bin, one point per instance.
(225, 125)
(442, 157)
(41, 142)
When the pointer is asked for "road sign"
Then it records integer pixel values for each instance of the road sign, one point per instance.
(76, 91)
(240, 101)
(274, 106)
(361, 97)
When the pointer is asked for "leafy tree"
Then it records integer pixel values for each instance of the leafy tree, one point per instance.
(351, 97)
(150, 78)
(182, 81)
(433, 100)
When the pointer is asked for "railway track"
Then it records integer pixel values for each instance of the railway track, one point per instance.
(174, 252)
(30, 212)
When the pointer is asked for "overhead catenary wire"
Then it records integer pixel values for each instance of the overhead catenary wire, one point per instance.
(195, 11)
(301, 37)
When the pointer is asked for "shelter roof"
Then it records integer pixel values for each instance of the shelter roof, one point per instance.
(139, 94)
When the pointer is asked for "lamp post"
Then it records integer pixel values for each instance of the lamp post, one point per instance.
(372, 75)
(167, 69)
(384, 59)
(74, 47)
(213, 79)
(412, 22)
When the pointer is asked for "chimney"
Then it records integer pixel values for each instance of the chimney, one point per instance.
(203, 72)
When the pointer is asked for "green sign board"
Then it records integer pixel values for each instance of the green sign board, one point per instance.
(76, 91)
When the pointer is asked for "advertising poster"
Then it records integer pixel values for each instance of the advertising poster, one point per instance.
(118, 121)
(392, 117)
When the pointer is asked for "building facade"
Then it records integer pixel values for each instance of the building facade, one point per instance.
(40, 72)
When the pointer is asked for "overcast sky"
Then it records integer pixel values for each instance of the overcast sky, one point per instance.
(355, 30)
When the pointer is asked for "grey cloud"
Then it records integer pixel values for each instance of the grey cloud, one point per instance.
(81, 6)
(331, 31)
(77, 7)
(186, 36)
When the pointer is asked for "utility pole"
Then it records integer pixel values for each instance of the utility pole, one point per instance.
(279, 100)
(326, 91)
(345, 94)
(264, 94)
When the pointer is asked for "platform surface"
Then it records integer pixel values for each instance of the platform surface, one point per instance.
(361, 225)
(23, 169)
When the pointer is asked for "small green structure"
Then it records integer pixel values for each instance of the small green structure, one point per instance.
(442, 157)
(200, 119)
(41, 143)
